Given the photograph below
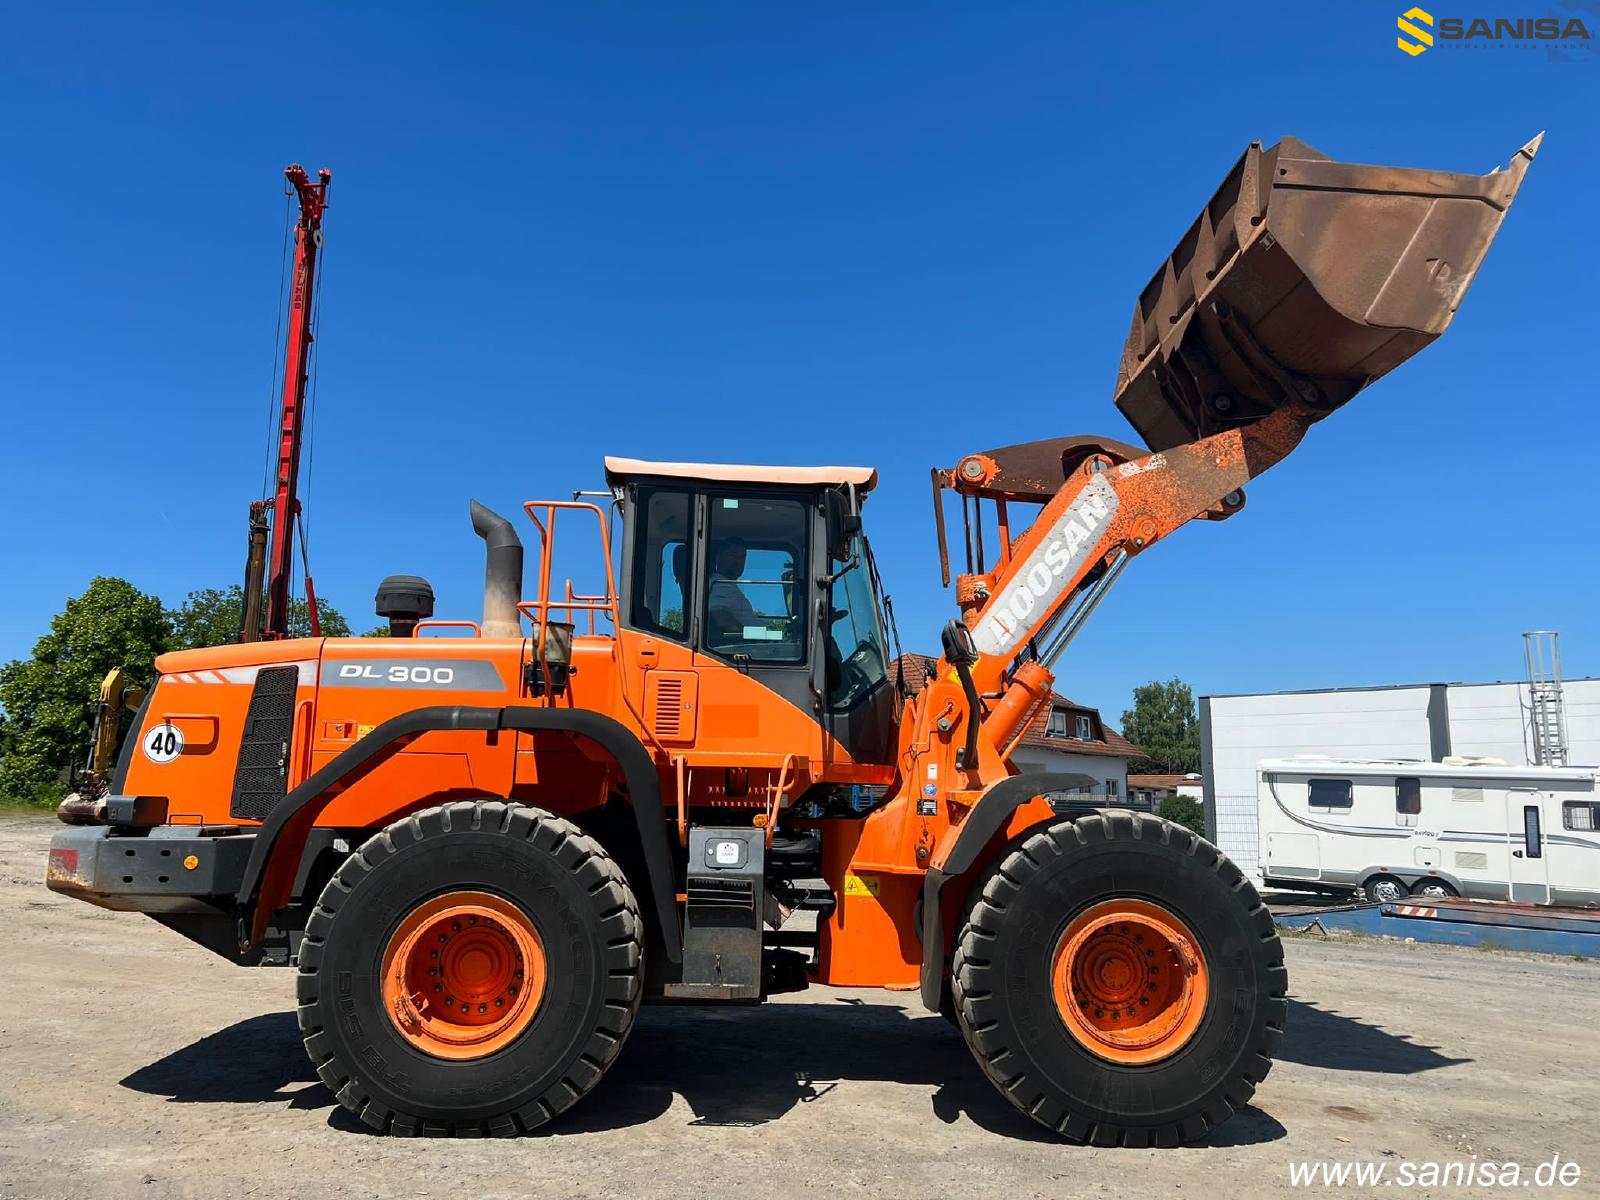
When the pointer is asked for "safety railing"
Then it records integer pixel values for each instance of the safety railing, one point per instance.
(543, 515)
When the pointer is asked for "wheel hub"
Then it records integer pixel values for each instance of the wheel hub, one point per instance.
(463, 975)
(1129, 981)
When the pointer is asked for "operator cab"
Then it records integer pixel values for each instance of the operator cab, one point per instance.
(766, 570)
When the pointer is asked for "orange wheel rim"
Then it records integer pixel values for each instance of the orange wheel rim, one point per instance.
(1129, 981)
(464, 975)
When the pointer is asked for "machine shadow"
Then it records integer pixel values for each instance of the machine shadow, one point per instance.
(1318, 1037)
(734, 1068)
(254, 1061)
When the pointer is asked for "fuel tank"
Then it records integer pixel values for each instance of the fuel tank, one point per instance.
(1304, 279)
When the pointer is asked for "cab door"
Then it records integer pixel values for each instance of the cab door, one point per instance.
(755, 621)
(1529, 873)
(658, 583)
(720, 614)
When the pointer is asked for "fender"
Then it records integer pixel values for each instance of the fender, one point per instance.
(266, 877)
(987, 818)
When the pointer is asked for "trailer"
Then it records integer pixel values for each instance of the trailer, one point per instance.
(1482, 924)
(1388, 829)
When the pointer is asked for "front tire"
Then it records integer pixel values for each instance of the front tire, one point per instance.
(1120, 981)
(472, 969)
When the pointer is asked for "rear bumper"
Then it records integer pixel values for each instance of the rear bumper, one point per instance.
(165, 869)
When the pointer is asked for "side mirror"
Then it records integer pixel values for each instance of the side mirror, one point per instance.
(844, 526)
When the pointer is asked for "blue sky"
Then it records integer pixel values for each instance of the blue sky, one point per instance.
(889, 234)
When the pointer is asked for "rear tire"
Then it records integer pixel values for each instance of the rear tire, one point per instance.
(1048, 894)
(560, 940)
(1433, 889)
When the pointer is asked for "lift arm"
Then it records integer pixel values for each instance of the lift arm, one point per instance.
(1301, 282)
(1108, 508)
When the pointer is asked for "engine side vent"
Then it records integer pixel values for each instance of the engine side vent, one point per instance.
(262, 774)
(669, 698)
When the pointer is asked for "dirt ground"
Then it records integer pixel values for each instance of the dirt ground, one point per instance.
(136, 1064)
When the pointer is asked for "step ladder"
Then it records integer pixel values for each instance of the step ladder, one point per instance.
(1542, 648)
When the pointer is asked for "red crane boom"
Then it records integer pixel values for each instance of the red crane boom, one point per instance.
(284, 504)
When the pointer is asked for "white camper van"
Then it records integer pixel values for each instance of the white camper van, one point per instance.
(1470, 827)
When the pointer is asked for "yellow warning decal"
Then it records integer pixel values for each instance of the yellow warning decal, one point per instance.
(861, 885)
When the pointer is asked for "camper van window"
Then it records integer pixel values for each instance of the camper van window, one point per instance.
(1329, 795)
(1530, 831)
(1469, 794)
(1407, 800)
(1581, 815)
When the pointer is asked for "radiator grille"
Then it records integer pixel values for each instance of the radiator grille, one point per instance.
(709, 891)
(262, 774)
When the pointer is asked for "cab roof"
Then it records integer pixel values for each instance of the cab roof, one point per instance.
(619, 469)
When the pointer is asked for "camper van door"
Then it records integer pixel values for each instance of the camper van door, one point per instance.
(1530, 876)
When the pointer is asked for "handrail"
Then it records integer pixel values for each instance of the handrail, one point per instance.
(775, 792)
(539, 609)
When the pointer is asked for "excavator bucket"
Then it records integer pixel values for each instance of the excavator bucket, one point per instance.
(1303, 280)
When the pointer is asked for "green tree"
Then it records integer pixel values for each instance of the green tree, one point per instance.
(213, 617)
(1185, 811)
(49, 699)
(1162, 723)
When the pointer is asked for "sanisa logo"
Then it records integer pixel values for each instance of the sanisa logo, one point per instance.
(1420, 31)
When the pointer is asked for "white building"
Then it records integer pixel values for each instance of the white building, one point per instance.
(1421, 721)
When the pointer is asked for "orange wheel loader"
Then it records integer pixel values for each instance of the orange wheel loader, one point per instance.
(708, 783)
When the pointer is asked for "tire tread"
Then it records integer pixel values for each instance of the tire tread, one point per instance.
(622, 956)
(974, 979)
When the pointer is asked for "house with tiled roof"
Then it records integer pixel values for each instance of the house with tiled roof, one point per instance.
(1063, 736)
(1153, 789)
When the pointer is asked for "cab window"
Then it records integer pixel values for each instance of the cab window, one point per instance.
(856, 662)
(661, 568)
(755, 578)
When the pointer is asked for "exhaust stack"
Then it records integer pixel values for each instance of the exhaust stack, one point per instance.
(502, 573)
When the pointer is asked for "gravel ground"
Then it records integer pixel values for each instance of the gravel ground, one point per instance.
(136, 1064)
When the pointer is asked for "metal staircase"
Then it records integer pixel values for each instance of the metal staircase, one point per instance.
(1543, 650)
